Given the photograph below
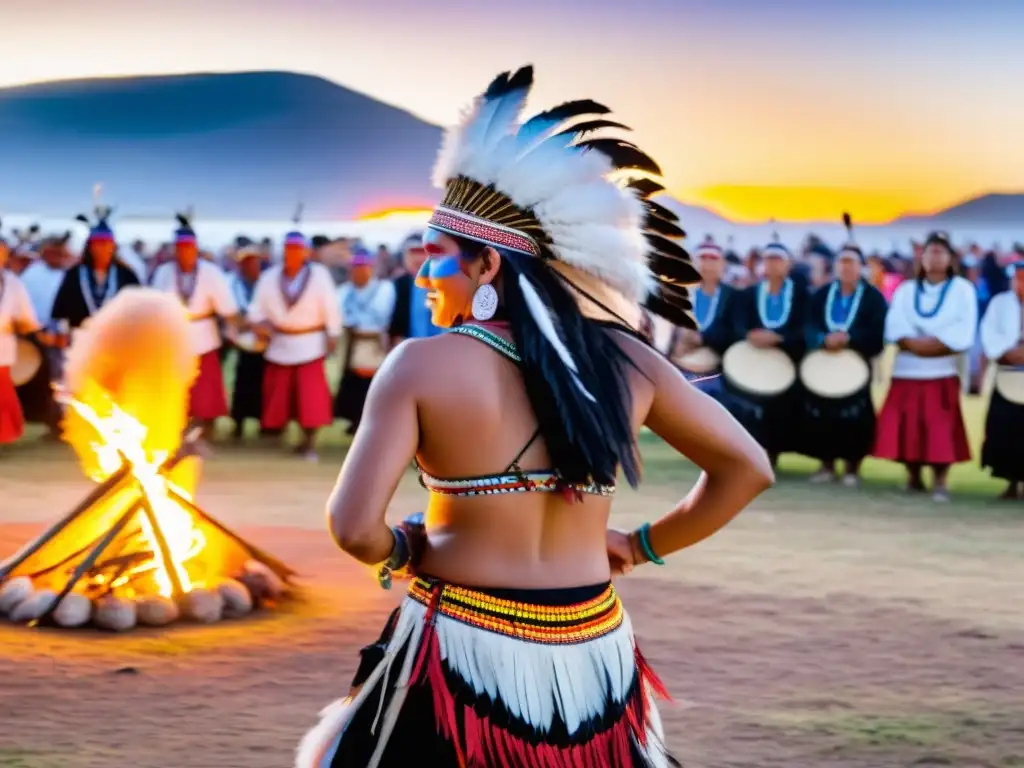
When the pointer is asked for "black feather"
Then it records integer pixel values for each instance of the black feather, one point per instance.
(591, 125)
(83, 218)
(661, 211)
(847, 222)
(655, 223)
(673, 270)
(34, 229)
(623, 154)
(668, 310)
(566, 111)
(497, 86)
(522, 78)
(182, 220)
(666, 246)
(645, 187)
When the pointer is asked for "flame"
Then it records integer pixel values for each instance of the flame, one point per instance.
(122, 438)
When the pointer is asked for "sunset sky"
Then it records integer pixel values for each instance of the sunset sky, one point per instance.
(792, 109)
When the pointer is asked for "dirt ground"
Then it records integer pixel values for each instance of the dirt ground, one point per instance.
(822, 629)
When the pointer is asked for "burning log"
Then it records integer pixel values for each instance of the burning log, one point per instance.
(137, 549)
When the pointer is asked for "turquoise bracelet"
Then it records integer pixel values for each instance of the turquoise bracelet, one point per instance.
(644, 534)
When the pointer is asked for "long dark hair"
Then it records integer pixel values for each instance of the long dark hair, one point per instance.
(587, 441)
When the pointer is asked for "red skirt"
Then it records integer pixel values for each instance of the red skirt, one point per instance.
(296, 392)
(208, 400)
(921, 423)
(12, 422)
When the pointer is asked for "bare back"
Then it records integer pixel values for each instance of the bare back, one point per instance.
(474, 424)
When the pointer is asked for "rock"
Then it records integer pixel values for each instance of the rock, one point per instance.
(33, 607)
(116, 614)
(156, 610)
(237, 600)
(14, 592)
(74, 610)
(204, 605)
(263, 584)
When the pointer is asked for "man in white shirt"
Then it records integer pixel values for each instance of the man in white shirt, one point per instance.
(295, 308)
(205, 293)
(367, 304)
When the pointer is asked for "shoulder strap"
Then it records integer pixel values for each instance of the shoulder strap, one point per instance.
(514, 464)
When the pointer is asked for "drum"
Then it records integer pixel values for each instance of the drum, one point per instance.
(834, 374)
(1010, 384)
(367, 353)
(28, 359)
(699, 360)
(247, 341)
(766, 372)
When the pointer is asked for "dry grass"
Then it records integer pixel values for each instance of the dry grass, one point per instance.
(825, 627)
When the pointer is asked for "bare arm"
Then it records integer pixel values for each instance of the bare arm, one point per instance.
(736, 468)
(383, 449)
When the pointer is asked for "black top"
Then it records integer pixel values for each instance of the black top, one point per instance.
(746, 319)
(867, 331)
(721, 330)
(400, 318)
(70, 302)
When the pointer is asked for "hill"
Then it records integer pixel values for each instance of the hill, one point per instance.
(1005, 209)
(233, 145)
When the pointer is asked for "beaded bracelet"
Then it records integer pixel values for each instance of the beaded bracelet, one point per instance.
(397, 560)
(643, 533)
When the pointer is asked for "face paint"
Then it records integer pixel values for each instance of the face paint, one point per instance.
(443, 276)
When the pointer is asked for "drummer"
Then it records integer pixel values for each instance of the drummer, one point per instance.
(366, 304)
(203, 290)
(712, 304)
(1002, 339)
(933, 319)
(847, 314)
(247, 399)
(770, 315)
(17, 318)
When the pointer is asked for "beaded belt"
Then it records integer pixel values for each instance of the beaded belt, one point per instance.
(548, 624)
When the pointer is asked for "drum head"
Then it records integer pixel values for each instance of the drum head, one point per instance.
(700, 360)
(249, 342)
(834, 374)
(27, 360)
(367, 354)
(765, 372)
(1010, 384)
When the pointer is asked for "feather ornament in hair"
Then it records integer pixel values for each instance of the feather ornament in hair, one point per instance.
(297, 217)
(542, 317)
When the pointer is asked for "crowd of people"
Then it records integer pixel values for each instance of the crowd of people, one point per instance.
(283, 314)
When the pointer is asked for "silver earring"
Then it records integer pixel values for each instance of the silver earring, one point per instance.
(485, 302)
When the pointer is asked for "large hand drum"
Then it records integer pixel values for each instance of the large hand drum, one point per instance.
(834, 374)
(28, 359)
(765, 372)
(1010, 384)
(699, 360)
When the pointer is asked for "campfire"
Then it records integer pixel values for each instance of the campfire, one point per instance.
(137, 550)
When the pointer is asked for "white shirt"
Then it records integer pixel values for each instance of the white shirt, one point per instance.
(1002, 327)
(367, 309)
(15, 309)
(955, 324)
(42, 283)
(211, 297)
(302, 328)
(134, 262)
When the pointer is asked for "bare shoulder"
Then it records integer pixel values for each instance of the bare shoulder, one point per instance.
(649, 361)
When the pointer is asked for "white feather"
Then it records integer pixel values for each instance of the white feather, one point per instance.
(542, 316)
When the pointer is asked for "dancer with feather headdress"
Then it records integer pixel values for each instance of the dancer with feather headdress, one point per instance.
(204, 292)
(540, 256)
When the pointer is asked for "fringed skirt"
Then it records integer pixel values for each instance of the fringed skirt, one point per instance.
(497, 678)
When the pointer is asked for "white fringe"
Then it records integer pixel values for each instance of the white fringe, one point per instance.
(534, 681)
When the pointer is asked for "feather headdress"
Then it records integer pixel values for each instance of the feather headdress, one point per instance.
(295, 237)
(184, 233)
(850, 246)
(548, 188)
(99, 227)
